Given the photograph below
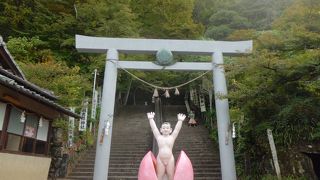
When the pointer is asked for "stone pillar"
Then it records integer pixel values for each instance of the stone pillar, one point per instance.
(227, 161)
(101, 166)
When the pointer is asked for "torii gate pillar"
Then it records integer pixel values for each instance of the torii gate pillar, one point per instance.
(106, 117)
(114, 45)
(228, 169)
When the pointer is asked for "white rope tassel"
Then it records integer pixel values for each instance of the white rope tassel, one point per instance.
(233, 130)
(23, 117)
(41, 121)
(166, 94)
(155, 93)
(176, 92)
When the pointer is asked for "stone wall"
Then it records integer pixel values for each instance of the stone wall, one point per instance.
(59, 163)
(296, 162)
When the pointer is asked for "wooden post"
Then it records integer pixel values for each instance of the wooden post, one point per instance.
(274, 153)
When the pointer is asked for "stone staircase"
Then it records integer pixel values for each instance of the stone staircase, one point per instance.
(84, 168)
(132, 138)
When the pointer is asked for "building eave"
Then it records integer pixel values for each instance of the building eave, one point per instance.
(12, 84)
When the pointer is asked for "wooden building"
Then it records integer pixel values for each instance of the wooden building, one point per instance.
(26, 115)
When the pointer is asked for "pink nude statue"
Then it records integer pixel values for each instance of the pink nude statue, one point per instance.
(163, 167)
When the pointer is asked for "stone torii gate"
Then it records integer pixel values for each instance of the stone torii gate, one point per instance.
(114, 46)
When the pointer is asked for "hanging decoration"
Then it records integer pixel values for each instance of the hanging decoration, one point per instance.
(164, 57)
(176, 92)
(83, 116)
(106, 132)
(202, 103)
(23, 117)
(71, 128)
(155, 93)
(41, 121)
(233, 130)
(105, 129)
(166, 94)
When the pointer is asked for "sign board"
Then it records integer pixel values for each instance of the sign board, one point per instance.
(202, 103)
(83, 117)
(71, 128)
(94, 105)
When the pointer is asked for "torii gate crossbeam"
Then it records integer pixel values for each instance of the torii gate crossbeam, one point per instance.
(113, 46)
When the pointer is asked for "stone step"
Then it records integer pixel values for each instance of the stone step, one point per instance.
(78, 174)
(134, 158)
(135, 178)
(141, 155)
(196, 165)
(122, 177)
(196, 174)
(119, 166)
(79, 177)
(206, 178)
(128, 151)
(145, 149)
(135, 146)
(83, 166)
(84, 169)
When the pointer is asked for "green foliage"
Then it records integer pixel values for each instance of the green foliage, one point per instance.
(211, 124)
(297, 118)
(272, 177)
(300, 24)
(167, 18)
(17, 12)
(243, 34)
(205, 8)
(218, 32)
(29, 49)
(107, 18)
(90, 139)
(62, 124)
(316, 134)
(230, 18)
(223, 22)
(66, 82)
(276, 88)
(261, 14)
(237, 14)
(272, 40)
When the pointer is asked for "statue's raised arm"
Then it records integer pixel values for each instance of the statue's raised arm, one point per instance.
(153, 125)
(181, 117)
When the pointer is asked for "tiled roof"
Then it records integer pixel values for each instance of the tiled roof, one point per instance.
(11, 83)
(27, 84)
